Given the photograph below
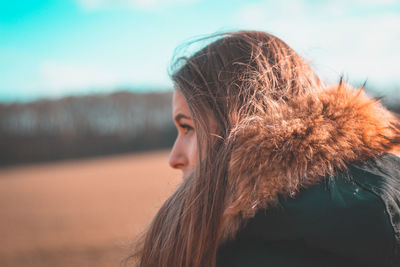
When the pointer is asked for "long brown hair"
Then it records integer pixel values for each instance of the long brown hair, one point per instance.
(238, 75)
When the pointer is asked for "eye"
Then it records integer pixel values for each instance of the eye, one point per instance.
(186, 128)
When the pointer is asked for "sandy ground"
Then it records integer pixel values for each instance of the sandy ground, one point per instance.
(80, 213)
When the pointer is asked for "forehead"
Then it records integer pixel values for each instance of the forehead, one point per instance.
(179, 104)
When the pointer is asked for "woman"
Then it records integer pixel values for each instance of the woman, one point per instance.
(278, 170)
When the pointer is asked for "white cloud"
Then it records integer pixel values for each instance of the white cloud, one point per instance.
(361, 47)
(373, 2)
(92, 5)
(58, 78)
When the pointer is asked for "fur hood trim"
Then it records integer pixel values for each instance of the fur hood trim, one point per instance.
(297, 143)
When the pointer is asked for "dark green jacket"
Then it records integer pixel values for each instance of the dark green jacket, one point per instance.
(352, 219)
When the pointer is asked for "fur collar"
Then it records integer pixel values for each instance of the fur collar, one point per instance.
(297, 143)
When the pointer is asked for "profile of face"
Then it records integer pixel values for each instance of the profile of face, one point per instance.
(184, 152)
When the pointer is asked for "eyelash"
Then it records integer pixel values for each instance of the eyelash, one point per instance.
(186, 127)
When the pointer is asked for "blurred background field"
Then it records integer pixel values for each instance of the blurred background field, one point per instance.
(85, 106)
(80, 212)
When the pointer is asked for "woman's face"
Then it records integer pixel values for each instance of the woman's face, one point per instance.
(184, 152)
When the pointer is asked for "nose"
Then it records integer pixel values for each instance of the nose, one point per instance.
(177, 159)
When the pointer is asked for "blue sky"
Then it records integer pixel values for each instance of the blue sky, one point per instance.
(53, 48)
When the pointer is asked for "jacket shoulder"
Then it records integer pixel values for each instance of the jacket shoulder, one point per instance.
(352, 217)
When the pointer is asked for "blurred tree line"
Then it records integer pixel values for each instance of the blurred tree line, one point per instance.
(75, 127)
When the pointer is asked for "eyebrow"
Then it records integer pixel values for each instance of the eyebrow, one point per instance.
(180, 116)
